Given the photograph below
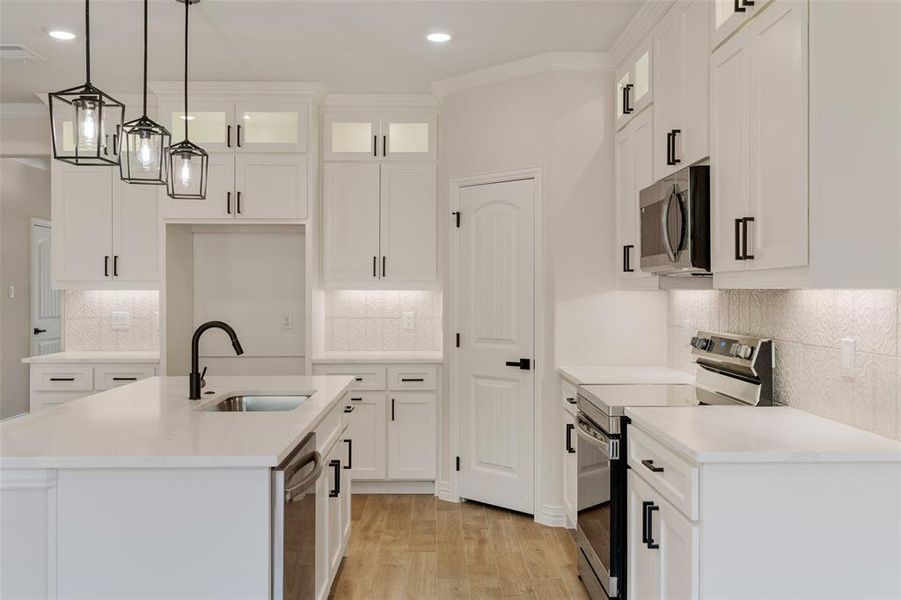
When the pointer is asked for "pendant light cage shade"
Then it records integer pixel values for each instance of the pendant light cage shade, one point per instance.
(142, 152)
(188, 166)
(85, 125)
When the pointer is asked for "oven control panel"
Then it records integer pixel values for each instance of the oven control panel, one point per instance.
(724, 346)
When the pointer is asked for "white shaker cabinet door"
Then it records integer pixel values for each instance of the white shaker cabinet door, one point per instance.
(408, 222)
(270, 127)
(136, 232)
(367, 434)
(82, 207)
(411, 435)
(271, 186)
(350, 222)
(219, 202)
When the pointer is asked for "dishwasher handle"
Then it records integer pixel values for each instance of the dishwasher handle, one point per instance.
(293, 490)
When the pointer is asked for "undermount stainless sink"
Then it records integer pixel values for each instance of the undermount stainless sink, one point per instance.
(256, 404)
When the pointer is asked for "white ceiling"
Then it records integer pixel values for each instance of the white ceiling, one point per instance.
(362, 46)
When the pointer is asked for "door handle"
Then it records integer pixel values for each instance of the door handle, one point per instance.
(669, 148)
(336, 489)
(627, 93)
(125, 378)
(649, 464)
(384, 145)
(644, 521)
(412, 379)
(524, 364)
(627, 263)
(744, 238)
(392, 409)
(238, 200)
(375, 272)
(674, 133)
(228, 200)
(228, 136)
(349, 409)
(384, 266)
(738, 7)
(571, 400)
(651, 510)
(116, 265)
(106, 266)
(375, 145)
(350, 454)
(738, 227)
(569, 438)
(238, 138)
(39, 331)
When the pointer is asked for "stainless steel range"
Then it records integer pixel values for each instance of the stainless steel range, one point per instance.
(731, 369)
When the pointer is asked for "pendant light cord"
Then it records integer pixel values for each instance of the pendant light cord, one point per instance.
(187, 5)
(87, 41)
(145, 58)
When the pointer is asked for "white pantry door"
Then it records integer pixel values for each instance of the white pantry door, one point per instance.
(496, 258)
(45, 301)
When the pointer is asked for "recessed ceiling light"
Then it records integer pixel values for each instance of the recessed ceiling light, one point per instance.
(59, 34)
(438, 37)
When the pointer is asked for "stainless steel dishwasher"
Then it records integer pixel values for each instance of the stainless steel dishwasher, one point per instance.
(294, 522)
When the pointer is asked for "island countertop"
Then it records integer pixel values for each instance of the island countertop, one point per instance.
(152, 423)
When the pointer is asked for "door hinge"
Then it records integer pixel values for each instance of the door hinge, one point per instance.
(458, 463)
(456, 215)
(458, 340)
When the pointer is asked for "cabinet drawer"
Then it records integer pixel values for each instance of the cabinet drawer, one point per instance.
(671, 475)
(412, 377)
(108, 377)
(61, 378)
(366, 377)
(330, 428)
(569, 394)
(41, 400)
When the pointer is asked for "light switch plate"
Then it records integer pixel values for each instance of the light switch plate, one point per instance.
(847, 357)
(121, 319)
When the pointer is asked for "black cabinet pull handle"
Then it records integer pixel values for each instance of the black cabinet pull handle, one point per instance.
(125, 378)
(648, 463)
(349, 409)
(627, 262)
(524, 364)
(392, 409)
(627, 96)
(336, 490)
(375, 272)
(739, 7)
(569, 438)
(738, 255)
(357, 379)
(228, 202)
(350, 454)
(669, 148)
(238, 200)
(62, 379)
(356, 399)
(571, 400)
(644, 521)
(384, 145)
(674, 133)
(228, 136)
(116, 265)
(747, 2)
(375, 145)
(39, 331)
(384, 262)
(106, 266)
(744, 238)
(651, 509)
(238, 138)
(412, 379)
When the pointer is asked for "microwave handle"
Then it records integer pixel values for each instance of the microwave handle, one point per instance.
(664, 226)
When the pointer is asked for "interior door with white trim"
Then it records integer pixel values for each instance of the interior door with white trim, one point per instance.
(496, 393)
(45, 301)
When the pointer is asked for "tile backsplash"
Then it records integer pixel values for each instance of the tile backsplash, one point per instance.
(88, 320)
(382, 320)
(807, 327)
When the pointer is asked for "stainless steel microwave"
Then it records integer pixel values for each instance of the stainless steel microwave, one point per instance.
(675, 223)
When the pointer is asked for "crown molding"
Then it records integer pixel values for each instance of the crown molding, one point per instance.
(427, 101)
(541, 63)
(23, 109)
(236, 88)
(639, 28)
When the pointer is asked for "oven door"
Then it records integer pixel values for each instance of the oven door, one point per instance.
(600, 512)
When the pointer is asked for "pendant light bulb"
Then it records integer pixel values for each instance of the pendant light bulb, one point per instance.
(184, 173)
(87, 125)
(145, 151)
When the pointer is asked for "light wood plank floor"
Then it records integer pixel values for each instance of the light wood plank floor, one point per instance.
(418, 547)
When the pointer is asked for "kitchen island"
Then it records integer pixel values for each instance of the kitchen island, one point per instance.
(140, 492)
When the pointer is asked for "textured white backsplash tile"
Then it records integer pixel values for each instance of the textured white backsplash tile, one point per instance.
(372, 320)
(807, 327)
(88, 320)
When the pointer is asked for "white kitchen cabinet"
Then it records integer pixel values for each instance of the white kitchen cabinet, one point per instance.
(634, 160)
(367, 434)
(220, 194)
(333, 475)
(375, 136)
(633, 85)
(52, 383)
(681, 46)
(271, 186)
(570, 469)
(759, 144)
(106, 232)
(728, 16)
(379, 223)
(411, 436)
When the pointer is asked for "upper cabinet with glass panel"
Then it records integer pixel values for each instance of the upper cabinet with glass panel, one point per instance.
(633, 86)
(367, 136)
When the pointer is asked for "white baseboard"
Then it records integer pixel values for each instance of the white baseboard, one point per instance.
(392, 487)
(552, 516)
(444, 491)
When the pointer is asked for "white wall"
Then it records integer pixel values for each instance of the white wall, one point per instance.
(563, 123)
(24, 193)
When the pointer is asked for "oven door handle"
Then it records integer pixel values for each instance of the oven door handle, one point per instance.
(609, 447)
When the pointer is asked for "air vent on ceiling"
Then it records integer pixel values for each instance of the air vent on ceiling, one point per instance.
(18, 52)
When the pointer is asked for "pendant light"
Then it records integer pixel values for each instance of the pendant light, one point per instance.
(84, 122)
(188, 162)
(142, 149)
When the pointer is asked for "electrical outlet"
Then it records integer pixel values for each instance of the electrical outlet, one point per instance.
(12, 292)
(408, 320)
(287, 321)
(847, 357)
(121, 319)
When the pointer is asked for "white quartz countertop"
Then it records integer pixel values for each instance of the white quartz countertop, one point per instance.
(378, 357)
(624, 375)
(151, 423)
(95, 357)
(741, 434)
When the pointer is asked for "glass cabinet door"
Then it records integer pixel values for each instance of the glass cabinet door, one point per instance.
(409, 138)
(209, 124)
(271, 127)
(351, 137)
